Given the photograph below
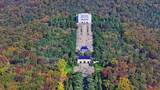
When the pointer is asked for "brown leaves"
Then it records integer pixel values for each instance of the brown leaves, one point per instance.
(2, 87)
(19, 70)
(3, 60)
(141, 35)
(152, 87)
(37, 36)
(49, 81)
(45, 19)
(12, 85)
(29, 54)
(122, 68)
(105, 72)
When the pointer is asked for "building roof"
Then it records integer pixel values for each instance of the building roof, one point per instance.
(84, 57)
(84, 47)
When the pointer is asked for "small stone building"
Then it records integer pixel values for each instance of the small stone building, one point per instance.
(84, 60)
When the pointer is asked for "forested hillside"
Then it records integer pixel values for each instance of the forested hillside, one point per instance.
(37, 44)
(17, 12)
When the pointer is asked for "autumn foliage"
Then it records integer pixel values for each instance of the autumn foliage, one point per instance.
(141, 35)
(3, 60)
(124, 84)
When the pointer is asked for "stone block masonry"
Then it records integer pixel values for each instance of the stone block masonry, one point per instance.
(84, 43)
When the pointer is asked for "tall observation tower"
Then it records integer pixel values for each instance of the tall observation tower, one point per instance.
(84, 40)
(84, 33)
(84, 44)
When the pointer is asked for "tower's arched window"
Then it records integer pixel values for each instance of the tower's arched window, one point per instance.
(81, 30)
(87, 30)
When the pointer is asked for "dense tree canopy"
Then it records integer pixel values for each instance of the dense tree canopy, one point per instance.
(38, 37)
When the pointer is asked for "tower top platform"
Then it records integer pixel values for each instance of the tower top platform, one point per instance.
(84, 18)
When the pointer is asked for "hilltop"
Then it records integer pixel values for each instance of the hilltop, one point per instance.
(38, 42)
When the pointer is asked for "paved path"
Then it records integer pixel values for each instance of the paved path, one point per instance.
(85, 69)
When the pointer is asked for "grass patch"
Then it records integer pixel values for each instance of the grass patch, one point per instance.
(69, 69)
(98, 68)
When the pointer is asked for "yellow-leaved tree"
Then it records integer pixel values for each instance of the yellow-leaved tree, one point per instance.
(60, 86)
(61, 65)
(61, 73)
(12, 85)
(4, 64)
(124, 84)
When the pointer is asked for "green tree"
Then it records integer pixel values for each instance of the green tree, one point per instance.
(91, 83)
(77, 81)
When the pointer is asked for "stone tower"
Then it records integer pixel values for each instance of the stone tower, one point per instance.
(84, 34)
(84, 43)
